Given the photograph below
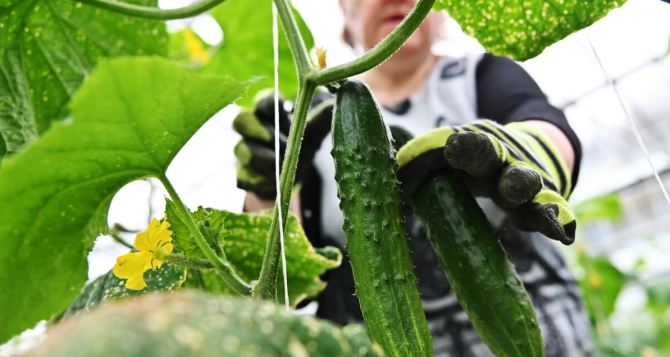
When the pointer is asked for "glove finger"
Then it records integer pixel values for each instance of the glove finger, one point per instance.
(249, 180)
(478, 154)
(257, 157)
(548, 214)
(265, 112)
(518, 184)
(248, 125)
(564, 214)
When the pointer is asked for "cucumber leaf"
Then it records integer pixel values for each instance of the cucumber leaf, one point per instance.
(130, 118)
(243, 238)
(47, 48)
(522, 29)
(246, 50)
(109, 287)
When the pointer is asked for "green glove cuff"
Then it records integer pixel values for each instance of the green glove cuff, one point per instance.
(432, 140)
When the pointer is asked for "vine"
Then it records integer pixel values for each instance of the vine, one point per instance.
(219, 262)
(154, 13)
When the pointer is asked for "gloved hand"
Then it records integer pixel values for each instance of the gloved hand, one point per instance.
(255, 152)
(516, 165)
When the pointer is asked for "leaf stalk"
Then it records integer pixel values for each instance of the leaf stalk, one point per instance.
(295, 41)
(153, 13)
(189, 262)
(220, 264)
(378, 54)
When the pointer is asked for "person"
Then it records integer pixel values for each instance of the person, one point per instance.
(523, 160)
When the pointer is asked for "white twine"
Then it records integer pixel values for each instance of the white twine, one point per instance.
(633, 125)
(275, 50)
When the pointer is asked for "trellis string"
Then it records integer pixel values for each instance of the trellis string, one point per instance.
(633, 125)
(275, 50)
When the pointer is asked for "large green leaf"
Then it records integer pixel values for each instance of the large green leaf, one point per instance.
(47, 47)
(243, 238)
(109, 287)
(522, 29)
(246, 50)
(130, 118)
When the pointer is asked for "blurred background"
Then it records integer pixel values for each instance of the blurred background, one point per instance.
(621, 254)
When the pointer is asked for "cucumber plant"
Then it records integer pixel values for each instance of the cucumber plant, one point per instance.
(93, 96)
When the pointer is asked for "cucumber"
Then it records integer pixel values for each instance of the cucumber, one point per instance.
(376, 241)
(485, 282)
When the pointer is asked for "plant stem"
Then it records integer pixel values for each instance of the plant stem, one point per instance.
(265, 287)
(154, 13)
(295, 41)
(220, 264)
(380, 52)
(194, 263)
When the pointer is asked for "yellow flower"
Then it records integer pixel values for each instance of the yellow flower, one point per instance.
(152, 246)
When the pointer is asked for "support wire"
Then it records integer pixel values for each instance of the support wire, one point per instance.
(275, 50)
(633, 125)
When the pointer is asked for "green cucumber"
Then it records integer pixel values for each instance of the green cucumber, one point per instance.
(376, 241)
(485, 282)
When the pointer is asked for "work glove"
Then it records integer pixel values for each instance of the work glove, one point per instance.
(516, 165)
(255, 151)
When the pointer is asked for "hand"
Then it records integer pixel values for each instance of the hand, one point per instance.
(255, 152)
(516, 165)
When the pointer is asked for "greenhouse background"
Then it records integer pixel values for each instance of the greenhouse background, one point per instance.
(624, 239)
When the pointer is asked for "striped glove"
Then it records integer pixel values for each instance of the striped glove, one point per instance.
(516, 165)
(255, 151)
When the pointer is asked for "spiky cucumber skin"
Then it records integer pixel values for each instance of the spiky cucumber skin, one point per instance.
(485, 282)
(198, 324)
(377, 244)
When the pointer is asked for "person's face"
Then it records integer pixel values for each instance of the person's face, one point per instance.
(369, 21)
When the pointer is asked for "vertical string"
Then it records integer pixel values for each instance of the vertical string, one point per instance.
(631, 122)
(275, 51)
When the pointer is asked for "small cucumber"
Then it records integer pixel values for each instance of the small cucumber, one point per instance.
(485, 282)
(376, 241)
